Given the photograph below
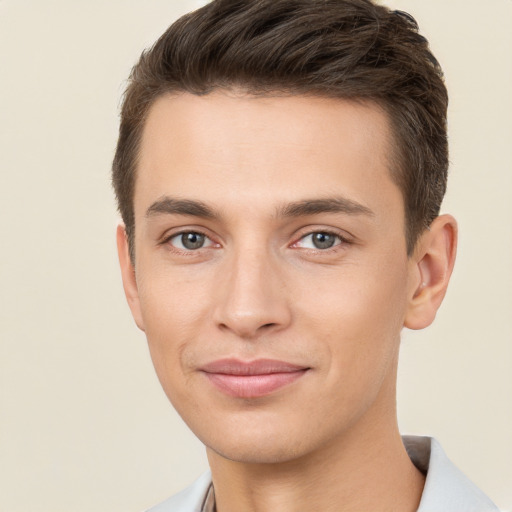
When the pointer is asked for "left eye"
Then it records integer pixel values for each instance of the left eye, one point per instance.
(319, 240)
(190, 241)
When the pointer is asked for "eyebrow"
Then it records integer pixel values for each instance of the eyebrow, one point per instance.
(169, 205)
(173, 206)
(327, 205)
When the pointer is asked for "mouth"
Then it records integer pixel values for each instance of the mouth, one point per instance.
(251, 379)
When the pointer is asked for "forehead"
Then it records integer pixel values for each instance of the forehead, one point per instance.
(247, 147)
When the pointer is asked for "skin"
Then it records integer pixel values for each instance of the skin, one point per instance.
(260, 288)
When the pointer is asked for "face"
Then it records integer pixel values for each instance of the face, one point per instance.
(271, 272)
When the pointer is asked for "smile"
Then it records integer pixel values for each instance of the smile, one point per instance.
(251, 379)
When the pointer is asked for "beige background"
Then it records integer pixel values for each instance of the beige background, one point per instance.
(84, 425)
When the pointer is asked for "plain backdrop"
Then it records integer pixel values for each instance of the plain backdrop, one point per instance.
(84, 425)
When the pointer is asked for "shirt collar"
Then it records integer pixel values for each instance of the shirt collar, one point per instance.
(446, 487)
(209, 501)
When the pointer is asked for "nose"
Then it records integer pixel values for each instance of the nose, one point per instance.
(252, 296)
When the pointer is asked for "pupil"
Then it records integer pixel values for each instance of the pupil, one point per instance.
(323, 240)
(192, 240)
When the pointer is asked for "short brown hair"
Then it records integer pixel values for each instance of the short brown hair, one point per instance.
(350, 49)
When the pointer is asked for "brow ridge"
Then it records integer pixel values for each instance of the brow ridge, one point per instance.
(302, 208)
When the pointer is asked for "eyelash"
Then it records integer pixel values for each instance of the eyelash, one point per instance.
(343, 241)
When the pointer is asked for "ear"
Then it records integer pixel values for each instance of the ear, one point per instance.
(431, 268)
(128, 274)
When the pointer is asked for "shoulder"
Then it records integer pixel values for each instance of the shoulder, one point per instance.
(190, 499)
(447, 489)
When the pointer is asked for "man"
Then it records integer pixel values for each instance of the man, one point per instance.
(279, 170)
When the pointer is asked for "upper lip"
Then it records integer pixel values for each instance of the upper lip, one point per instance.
(256, 367)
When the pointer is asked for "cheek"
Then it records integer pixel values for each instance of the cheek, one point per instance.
(356, 329)
(356, 316)
(174, 310)
(172, 299)
(355, 298)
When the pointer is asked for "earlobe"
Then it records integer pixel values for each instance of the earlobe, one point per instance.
(128, 276)
(432, 267)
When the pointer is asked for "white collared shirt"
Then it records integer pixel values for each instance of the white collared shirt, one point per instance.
(446, 488)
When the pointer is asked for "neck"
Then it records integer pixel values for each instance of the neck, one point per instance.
(366, 468)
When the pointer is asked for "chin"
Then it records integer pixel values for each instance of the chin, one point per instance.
(255, 452)
(263, 445)
(251, 436)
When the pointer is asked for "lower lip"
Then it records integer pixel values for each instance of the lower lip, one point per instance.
(253, 386)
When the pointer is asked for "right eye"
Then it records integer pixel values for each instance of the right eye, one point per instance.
(190, 241)
(320, 240)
